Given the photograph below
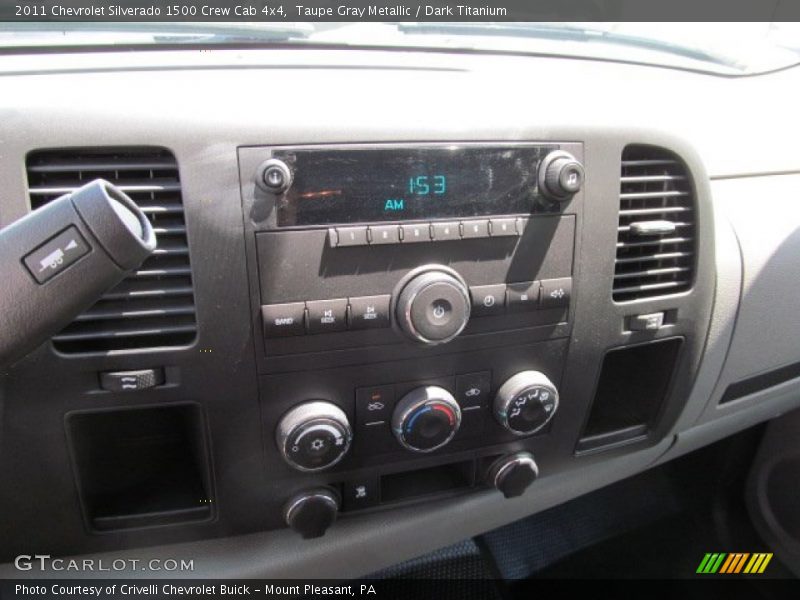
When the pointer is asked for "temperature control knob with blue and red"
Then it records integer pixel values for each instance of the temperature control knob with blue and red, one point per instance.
(314, 435)
(426, 419)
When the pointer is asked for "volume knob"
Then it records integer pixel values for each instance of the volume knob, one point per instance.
(433, 307)
(274, 176)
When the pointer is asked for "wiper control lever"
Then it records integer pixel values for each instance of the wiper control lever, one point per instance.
(58, 260)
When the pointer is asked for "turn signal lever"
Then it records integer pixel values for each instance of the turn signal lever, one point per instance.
(59, 259)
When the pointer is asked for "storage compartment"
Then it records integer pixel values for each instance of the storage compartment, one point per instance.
(633, 384)
(424, 482)
(141, 467)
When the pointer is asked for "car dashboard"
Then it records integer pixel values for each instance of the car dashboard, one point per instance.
(398, 298)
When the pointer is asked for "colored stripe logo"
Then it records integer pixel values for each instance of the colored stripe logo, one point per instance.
(734, 562)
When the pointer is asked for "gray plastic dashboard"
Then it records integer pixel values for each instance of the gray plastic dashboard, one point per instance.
(736, 134)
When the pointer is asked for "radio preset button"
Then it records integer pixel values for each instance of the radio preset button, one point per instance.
(556, 292)
(369, 312)
(417, 232)
(325, 316)
(523, 295)
(488, 299)
(504, 227)
(384, 234)
(333, 237)
(476, 228)
(281, 320)
(351, 236)
(443, 232)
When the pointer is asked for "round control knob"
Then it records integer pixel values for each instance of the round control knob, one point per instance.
(426, 419)
(311, 512)
(433, 306)
(274, 176)
(560, 176)
(314, 436)
(526, 402)
(513, 474)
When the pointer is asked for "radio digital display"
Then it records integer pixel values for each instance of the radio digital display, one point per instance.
(400, 184)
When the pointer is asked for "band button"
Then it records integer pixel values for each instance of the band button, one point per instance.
(283, 319)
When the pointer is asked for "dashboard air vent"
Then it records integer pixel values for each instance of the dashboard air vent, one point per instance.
(656, 233)
(154, 306)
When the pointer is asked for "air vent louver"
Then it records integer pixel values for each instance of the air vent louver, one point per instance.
(656, 233)
(154, 306)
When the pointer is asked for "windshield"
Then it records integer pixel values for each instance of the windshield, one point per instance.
(723, 48)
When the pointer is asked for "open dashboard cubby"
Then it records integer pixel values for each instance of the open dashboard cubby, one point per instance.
(141, 467)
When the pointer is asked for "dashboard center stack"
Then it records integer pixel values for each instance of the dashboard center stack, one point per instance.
(411, 266)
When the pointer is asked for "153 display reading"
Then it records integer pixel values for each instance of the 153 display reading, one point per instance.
(332, 186)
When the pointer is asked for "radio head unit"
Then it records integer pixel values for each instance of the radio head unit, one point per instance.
(329, 186)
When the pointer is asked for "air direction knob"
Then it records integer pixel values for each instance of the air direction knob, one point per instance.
(526, 402)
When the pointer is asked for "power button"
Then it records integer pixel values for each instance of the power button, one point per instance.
(274, 176)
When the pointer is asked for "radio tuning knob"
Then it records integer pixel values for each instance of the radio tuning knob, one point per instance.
(426, 419)
(433, 307)
(526, 402)
(560, 176)
(314, 436)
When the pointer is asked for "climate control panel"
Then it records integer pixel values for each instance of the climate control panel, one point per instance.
(316, 435)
